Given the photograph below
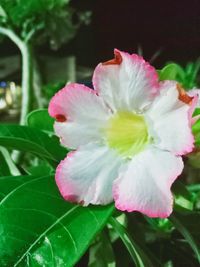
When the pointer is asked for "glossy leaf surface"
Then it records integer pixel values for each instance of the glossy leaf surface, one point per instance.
(39, 228)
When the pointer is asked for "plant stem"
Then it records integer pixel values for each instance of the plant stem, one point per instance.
(37, 84)
(25, 49)
(12, 35)
(27, 81)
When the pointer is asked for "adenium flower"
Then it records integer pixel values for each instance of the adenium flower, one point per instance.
(128, 136)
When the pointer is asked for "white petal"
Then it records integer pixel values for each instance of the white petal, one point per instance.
(86, 175)
(73, 135)
(129, 85)
(195, 92)
(145, 186)
(83, 115)
(169, 121)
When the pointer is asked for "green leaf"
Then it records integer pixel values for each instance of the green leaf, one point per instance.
(40, 119)
(39, 170)
(139, 257)
(179, 221)
(160, 225)
(196, 132)
(170, 72)
(31, 140)
(196, 112)
(4, 168)
(183, 198)
(194, 187)
(2, 12)
(39, 228)
(196, 127)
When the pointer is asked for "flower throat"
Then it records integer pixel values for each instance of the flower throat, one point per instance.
(127, 133)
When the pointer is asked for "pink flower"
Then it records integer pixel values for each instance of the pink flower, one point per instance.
(129, 134)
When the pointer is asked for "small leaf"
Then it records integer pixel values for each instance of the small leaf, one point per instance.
(196, 112)
(183, 198)
(41, 120)
(196, 127)
(2, 12)
(194, 187)
(161, 225)
(170, 72)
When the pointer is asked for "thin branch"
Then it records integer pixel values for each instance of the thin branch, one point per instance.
(25, 50)
(12, 35)
(32, 32)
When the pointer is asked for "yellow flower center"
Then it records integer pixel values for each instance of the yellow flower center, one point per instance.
(127, 133)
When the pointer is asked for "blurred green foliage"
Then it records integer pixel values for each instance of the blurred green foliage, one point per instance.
(54, 20)
(187, 76)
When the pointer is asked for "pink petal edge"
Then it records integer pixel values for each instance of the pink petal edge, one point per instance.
(150, 70)
(149, 213)
(62, 188)
(53, 108)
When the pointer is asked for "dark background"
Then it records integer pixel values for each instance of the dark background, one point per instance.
(173, 27)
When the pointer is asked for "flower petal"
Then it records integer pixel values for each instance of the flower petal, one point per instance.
(169, 121)
(127, 82)
(145, 186)
(80, 114)
(86, 175)
(195, 93)
(73, 135)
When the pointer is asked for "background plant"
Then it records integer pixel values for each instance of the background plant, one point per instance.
(28, 23)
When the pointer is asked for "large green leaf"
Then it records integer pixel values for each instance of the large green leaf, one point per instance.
(39, 228)
(31, 140)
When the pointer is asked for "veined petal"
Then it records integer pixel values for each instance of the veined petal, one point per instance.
(74, 134)
(127, 82)
(145, 185)
(169, 121)
(80, 115)
(86, 175)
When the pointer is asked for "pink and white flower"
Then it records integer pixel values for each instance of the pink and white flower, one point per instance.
(129, 134)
